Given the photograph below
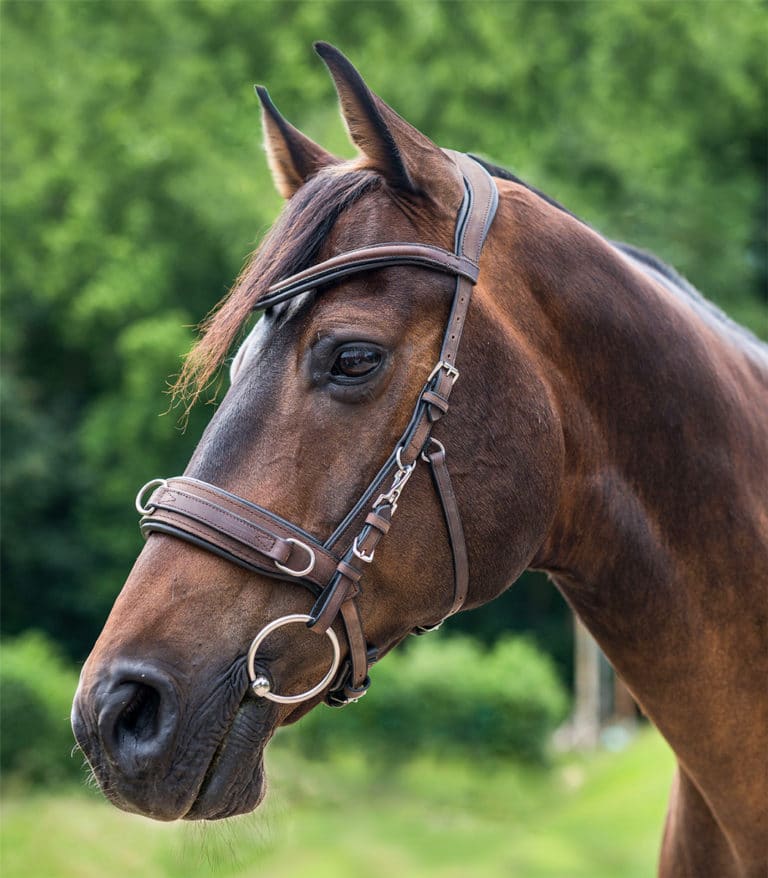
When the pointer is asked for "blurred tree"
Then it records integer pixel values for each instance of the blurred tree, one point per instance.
(133, 190)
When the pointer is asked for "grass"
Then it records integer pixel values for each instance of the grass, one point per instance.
(597, 817)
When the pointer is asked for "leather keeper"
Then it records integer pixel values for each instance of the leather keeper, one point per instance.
(378, 522)
(437, 405)
(352, 574)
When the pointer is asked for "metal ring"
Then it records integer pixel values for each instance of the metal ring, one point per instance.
(404, 468)
(310, 693)
(310, 552)
(434, 442)
(147, 510)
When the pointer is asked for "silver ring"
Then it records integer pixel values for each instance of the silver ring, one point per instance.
(147, 510)
(400, 465)
(263, 684)
(310, 553)
(434, 442)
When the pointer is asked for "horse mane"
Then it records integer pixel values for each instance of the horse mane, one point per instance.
(291, 245)
(635, 253)
(648, 262)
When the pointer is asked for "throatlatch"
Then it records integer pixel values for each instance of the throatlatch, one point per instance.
(259, 540)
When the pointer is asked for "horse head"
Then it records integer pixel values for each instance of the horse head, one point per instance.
(343, 480)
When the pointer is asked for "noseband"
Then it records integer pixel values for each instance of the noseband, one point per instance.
(259, 540)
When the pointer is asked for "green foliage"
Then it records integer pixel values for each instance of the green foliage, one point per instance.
(36, 689)
(447, 696)
(133, 189)
(440, 696)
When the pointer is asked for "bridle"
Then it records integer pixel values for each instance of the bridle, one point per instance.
(259, 540)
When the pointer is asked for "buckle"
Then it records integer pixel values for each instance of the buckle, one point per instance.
(345, 695)
(451, 371)
(359, 553)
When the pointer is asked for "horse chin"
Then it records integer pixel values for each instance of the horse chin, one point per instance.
(234, 782)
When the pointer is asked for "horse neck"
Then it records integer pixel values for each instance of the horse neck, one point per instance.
(656, 539)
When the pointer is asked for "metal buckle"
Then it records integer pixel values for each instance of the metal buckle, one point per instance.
(261, 685)
(153, 483)
(339, 698)
(308, 569)
(391, 497)
(359, 553)
(452, 371)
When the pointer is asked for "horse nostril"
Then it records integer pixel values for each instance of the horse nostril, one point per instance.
(137, 718)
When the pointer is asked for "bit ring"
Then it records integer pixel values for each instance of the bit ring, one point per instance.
(260, 684)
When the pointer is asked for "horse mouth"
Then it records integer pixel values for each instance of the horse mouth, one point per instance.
(234, 782)
(201, 782)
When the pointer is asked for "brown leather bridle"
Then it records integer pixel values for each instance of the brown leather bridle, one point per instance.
(259, 540)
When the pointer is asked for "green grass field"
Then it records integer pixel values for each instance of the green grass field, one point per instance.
(597, 817)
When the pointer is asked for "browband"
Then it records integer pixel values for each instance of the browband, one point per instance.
(367, 259)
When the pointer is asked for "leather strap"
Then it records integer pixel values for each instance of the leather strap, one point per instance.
(367, 259)
(244, 532)
(442, 479)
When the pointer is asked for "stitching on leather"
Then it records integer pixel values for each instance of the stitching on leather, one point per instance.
(319, 550)
(459, 266)
(490, 200)
(248, 510)
(203, 488)
(279, 528)
(191, 526)
(232, 545)
(263, 538)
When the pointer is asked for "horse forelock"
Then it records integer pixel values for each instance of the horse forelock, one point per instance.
(292, 244)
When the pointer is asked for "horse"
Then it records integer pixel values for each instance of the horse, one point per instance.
(599, 420)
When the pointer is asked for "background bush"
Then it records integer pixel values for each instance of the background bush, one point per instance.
(441, 696)
(36, 689)
(446, 695)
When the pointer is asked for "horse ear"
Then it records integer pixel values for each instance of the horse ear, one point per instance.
(293, 158)
(406, 158)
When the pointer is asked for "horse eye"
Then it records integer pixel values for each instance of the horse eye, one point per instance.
(356, 362)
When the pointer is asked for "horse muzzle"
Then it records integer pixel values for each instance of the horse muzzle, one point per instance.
(152, 757)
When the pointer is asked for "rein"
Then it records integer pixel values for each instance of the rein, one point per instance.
(259, 540)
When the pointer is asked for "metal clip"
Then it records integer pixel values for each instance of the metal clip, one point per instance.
(398, 483)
